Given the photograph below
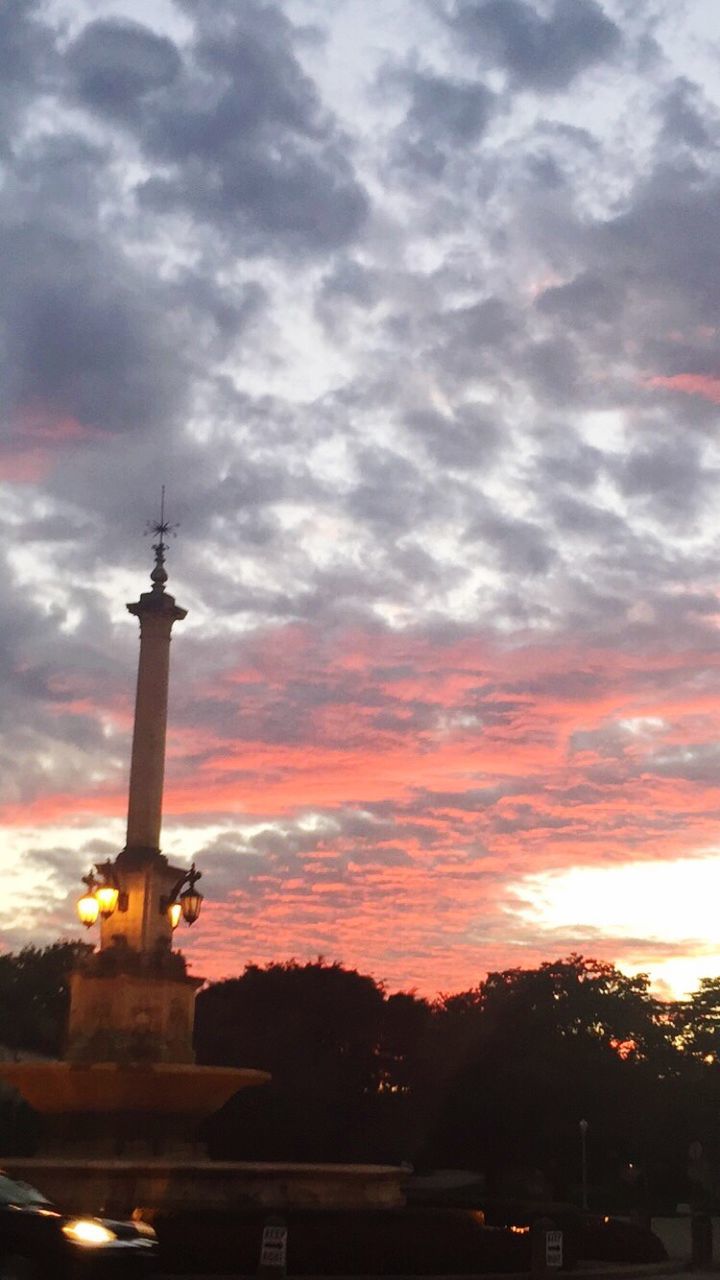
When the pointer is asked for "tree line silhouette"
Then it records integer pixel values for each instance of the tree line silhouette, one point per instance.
(495, 1079)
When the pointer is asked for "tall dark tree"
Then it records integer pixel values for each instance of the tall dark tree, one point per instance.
(400, 1111)
(316, 1028)
(536, 1051)
(697, 1021)
(34, 996)
(34, 1002)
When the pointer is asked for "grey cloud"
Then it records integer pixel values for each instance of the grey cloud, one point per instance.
(543, 53)
(26, 62)
(588, 520)
(24, 36)
(576, 137)
(62, 864)
(644, 280)
(574, 685)
(392, 492)
(675, 355)
(686, 117)
(220, 314)
(670, 474)
(469, 340)
(520, 545)
(116, 64)
(259, 865)
(351, 281)
(546, 172)
(227, 866)
(282, 843)
(289, 200)
(527, 817)
(467, 438)
(694, 762)
(234, 130)
(553, 368)
(78, 341)
(383, 856)
(469, 800)
(444, 109)
(89, 338)
(445, 119)
(482, 323)
(244, 142)
(586, 300)
(665, 239)
(565, 459)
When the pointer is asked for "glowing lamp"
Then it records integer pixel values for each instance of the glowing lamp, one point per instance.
(107, 899)
(186, 904)
(88, 909)
(190, 903)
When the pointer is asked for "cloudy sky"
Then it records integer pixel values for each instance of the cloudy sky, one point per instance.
(413, 305)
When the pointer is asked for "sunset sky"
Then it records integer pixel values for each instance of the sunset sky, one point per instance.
(413, 306)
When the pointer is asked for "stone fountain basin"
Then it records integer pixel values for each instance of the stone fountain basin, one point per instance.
(60, 1088)
(116, 1187)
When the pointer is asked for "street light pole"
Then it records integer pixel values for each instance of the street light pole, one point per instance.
(583, 1153)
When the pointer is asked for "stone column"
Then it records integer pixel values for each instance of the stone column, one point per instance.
(156, 612)
(132, 1001)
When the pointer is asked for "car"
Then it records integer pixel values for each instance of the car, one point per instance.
(38, 1242)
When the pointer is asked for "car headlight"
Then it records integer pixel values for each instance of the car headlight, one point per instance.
(88, 1231)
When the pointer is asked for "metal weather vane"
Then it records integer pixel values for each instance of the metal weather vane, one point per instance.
(162, 529)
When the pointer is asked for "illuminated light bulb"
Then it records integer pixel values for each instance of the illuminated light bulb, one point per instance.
(88, 909)
(174, 913)
(107, 899)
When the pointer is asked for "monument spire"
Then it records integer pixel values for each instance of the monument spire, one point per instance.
(134, 995)
(162, 528)
(156, 612)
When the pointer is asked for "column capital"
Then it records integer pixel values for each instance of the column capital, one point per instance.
(156, 604)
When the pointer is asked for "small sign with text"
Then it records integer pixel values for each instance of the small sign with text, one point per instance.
(553, 1249)
(273, 1252)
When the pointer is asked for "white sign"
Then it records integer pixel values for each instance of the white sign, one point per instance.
(274, 1248)
(553, 1249)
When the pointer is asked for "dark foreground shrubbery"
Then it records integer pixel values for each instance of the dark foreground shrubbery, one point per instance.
(520, 1213)
(615, 1240)
(344, 1242)
(586, 1237)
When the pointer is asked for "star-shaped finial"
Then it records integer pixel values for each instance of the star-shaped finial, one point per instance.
(163, 529)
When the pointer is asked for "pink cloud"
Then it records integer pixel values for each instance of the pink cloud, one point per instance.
(477, 764)
(37, 433)
(689, 384)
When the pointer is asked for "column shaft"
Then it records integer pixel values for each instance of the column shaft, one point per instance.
(147, 768)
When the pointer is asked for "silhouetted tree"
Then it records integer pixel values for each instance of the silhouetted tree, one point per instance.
(34, 996)
(697, 1021)
(316, 1028)
(398, 1119)
(495, 1079)
(536, 1050)
(34, 1002)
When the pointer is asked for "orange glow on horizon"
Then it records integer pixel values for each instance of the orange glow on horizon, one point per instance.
(474, 765)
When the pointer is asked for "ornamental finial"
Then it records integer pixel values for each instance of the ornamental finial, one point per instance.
(163, 529)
